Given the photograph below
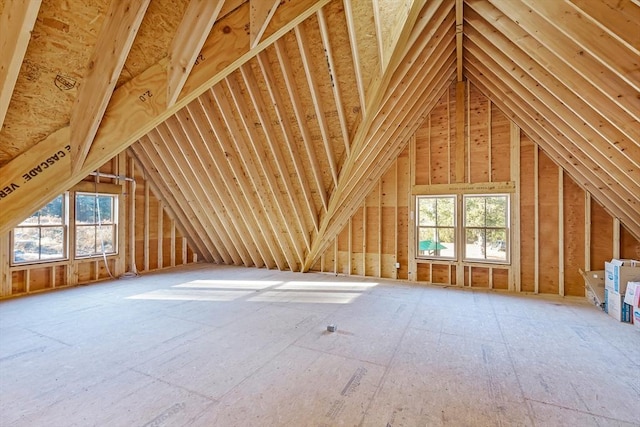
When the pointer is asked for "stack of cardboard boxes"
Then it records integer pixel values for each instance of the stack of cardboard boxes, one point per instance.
(620, 304)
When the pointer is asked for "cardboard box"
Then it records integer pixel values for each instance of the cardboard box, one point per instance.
(615, 307)
(630, 294)
(619, 272)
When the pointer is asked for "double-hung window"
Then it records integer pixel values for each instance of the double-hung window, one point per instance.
(43, 236)
(436, 223)
(95, 225)
(486, 228)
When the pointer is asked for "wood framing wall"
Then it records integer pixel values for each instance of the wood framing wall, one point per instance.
(557, 228)
(148, 238)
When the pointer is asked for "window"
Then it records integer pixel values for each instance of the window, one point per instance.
(436, 227)
(96, 227)
(42, 236)
(486, 227)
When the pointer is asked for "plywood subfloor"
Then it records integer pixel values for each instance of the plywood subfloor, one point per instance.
(225, 346)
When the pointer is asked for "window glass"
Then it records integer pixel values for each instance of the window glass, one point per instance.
(486, 224)
(436, 221)
(42, 236)
(96, 230)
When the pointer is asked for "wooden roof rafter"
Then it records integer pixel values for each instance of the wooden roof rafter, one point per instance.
(169, 192)
(303, 47)
(288, 136)
(261, 13)
(274, 203)
(132, 113)
(285, 66)
(192, 147)
(260, 107)
(207, 120)
(109, 55)
(182, 173)
(187, 43)
(172, 130)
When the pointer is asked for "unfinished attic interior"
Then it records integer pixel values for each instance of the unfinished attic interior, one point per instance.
(478, 144)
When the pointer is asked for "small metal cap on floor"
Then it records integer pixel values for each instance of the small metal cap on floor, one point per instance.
(332, 328)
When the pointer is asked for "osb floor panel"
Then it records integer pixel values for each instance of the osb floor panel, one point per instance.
(223, 346)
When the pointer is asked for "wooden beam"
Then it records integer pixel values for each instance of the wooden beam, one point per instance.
(355, 55)
(272, 139)
(377, 19)
(568, 51)
(261, 13)
(109, 55)
(160, 239)
(309, 70)
(232, 169)
(136, 107)
(283, 207)
(335, 82)
(289, 136)
(170, 192)
(459, 37)
(187, 43)
(460, 131)
(554, 75)
(536, 221)
(204, 159)
(298, 109)
(592, 38)
(465, 188)
(619, 17)
(17, 21)
(156, 145)
(561, 287)
(238, 189)
(515, 282)
(264, 197)
(203, 202)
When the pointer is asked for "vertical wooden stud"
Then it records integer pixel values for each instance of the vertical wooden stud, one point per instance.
(364, 237)
(560, 232)
(350, 248)
(616, 237)
(184, 251)
(514, 147)
(489, 141)
(160, 234)
(412, 266)
(132, 216)
(395, 222)
(5, 262)
(587, 232)
(335, 256)
(448, 136)
(173, 242)
(460, 131)
(146, 225)
(536, 225)
(380, 227)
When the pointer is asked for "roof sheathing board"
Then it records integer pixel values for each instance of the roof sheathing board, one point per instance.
(55, 62)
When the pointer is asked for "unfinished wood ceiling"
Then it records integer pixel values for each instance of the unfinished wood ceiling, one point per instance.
(264, 124)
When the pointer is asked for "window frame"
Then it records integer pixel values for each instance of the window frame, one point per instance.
(65, 235)
(506, 228)
(114, 225)
(454, 228)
